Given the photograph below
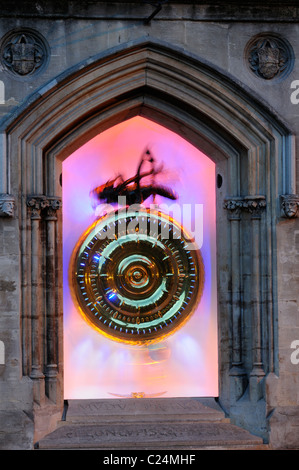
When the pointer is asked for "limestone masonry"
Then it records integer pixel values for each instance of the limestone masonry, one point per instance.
(225, 76)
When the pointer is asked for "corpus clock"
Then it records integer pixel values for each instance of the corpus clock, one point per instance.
(136, 276)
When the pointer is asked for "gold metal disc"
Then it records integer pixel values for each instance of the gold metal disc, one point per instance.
(136, 276)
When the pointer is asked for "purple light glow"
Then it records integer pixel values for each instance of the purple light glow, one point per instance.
(186, 364)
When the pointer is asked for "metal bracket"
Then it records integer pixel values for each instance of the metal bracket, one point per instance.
(158, 6)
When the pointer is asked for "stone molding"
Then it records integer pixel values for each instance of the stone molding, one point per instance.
(252, 204)
(37, 204)
(290, 205)
(7, 205)
(220, 11)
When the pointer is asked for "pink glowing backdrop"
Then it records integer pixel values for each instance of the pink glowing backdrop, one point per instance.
(186, 363)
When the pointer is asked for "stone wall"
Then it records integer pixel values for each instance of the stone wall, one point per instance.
(72, 45)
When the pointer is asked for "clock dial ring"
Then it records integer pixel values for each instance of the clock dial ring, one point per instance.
(136, 276)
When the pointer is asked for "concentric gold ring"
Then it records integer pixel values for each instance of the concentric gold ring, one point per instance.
(136, 276)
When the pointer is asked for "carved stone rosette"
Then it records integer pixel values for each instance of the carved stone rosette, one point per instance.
(290, 205)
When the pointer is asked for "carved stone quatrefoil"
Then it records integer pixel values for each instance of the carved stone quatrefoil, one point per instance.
(24, 52)
(269, 56)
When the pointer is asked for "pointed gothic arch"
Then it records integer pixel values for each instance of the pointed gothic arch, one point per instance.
(253, 152)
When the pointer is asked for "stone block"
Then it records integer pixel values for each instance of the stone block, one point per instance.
(284, 428)
(12, 424)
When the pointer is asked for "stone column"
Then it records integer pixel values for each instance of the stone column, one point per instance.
(36, 204)
(237, 372)
(43, 296)
(51, 311)
(255, 205)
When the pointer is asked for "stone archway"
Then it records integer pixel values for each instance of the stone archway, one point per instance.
(253, 153)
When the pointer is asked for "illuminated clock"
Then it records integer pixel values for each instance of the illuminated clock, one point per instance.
(136, 276)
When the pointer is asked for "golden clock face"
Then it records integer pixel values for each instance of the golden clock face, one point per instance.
(136, 276)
